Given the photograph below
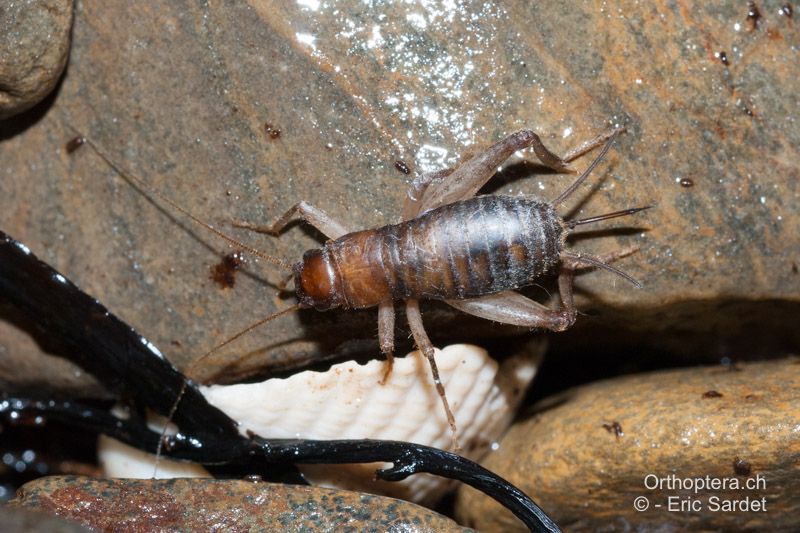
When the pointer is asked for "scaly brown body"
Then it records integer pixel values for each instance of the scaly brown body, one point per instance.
(472, 248)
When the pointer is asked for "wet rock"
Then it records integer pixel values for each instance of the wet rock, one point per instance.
(587, 456)
(20, 520)
(34, 46)
(201, 505)
(711, 142)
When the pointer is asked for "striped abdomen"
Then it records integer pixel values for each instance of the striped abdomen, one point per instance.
(462, 250)
(472, 248)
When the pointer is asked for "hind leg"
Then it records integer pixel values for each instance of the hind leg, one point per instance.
(464, 181)
(472, 174)
(510, 307)
(417, 190)
(591, 144)
(570, 263)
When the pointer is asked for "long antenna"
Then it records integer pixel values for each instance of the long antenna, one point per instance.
(139, 183)
(563, 196)
(194, 363)
(625, 212)
(241, 333)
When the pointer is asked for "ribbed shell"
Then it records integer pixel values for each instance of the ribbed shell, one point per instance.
(347, 402)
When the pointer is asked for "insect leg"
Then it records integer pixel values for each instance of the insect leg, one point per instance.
(575, 184)
(591, 144)
(304, 211)
(386, 336)
(426, 347)
(577, 260)
(416, 191)
(610, 257)
(509, 307)
(566, 279)
(570, 263)
(472, 174)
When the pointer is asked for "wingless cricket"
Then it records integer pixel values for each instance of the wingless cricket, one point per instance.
(469, 251)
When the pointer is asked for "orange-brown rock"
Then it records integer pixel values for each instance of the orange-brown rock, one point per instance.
(587, 455)
(207, 504)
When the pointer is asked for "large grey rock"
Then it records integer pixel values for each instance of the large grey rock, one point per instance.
(34, 45)
(182, 94)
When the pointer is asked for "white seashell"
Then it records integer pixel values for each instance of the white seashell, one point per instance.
(117, 459)
(348, 402)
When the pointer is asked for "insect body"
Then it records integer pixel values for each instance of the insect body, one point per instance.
(468, 249)
(471, 252)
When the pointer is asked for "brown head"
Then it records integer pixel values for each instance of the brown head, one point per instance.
(316, 282)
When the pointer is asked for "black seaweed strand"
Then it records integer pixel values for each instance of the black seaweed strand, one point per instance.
(127, 364)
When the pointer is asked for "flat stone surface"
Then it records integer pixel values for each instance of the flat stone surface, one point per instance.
(205, 504)
(190, 98)
(587, 455)
(21, 520)
(34, 45)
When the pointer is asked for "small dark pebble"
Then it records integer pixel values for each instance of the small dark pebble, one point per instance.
(741, 467)
(753, 15)
(224, 272)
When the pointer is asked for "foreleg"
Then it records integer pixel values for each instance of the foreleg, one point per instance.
(303, 211)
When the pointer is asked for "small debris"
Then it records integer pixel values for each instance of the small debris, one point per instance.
(224, 272)
(615, 428)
